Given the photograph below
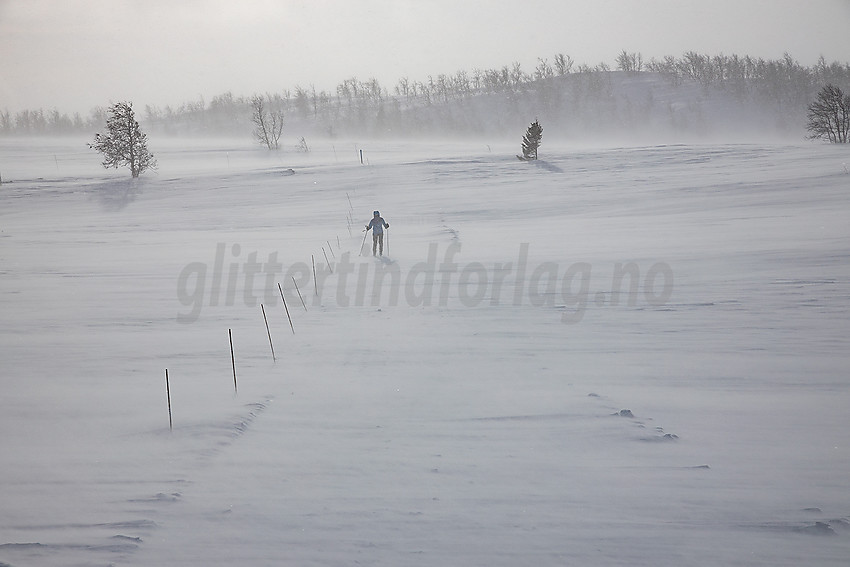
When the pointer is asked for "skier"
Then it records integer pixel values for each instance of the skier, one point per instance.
(379, 224)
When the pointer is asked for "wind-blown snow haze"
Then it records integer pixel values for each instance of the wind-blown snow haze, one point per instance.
(625, 346)
(614, 355)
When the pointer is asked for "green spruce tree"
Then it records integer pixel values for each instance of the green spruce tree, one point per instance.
(531, 141)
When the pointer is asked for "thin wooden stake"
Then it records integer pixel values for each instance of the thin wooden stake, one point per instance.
(287, 309)
(326, 260)
(299, 293)
(168, 394)
(268, 331)
(331, 249)
(315, 282)
(233, 360)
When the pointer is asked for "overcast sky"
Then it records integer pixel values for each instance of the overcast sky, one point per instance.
(75, 54)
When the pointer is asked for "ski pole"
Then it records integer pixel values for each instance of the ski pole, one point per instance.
(388, 241)
(365, 234)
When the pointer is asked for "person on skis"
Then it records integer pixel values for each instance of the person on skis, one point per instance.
(377, 225)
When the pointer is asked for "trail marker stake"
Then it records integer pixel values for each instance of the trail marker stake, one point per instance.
(268, 331)
(287, 309)
(327, 261)
(315, 281)
(168, 394)
(299, 293)
(232, 360)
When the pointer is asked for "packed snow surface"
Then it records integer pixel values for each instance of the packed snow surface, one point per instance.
(612, 356)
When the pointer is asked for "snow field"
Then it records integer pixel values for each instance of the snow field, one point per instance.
(468, 430)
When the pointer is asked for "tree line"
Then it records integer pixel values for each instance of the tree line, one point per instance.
(436, 104)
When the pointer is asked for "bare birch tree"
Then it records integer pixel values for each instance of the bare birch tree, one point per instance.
(268, 122)
(123, 143)
(829, 116)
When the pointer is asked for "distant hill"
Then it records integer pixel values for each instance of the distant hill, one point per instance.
(579, 106)
(599, 105)
(692, 98)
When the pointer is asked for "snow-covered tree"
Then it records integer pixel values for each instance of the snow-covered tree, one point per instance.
(829, 116)
(123, 143)
(531, 141)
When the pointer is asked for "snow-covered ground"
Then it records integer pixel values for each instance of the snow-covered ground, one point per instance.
(484, 396)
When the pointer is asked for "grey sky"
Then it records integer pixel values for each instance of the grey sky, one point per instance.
(75, 54)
